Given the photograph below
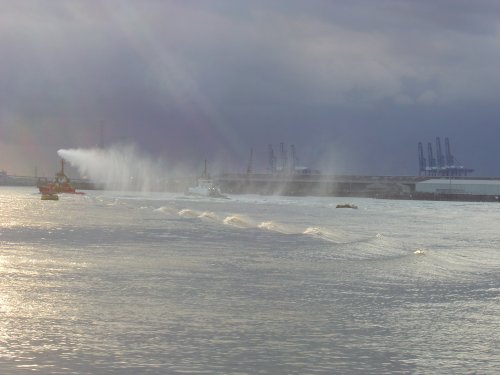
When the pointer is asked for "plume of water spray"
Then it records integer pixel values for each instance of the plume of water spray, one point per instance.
(119, 167)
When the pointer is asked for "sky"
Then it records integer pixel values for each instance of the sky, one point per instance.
(354, 85)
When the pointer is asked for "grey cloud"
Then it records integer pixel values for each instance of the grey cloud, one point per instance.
(195, 79)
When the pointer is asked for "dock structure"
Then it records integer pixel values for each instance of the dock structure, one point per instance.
(318, 184)
(440, 165)
(385, 187)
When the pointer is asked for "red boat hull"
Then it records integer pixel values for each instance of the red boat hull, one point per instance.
(52, 188)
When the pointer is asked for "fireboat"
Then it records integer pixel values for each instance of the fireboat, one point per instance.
(61, 184)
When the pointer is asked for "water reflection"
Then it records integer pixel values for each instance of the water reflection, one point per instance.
(87, 287)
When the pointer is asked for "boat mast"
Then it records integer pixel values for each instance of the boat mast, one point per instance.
(205, 173)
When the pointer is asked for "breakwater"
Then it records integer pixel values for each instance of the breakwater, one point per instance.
(319, 185)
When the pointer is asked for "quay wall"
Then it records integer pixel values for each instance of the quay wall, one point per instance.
(318, 185)
(386, 187)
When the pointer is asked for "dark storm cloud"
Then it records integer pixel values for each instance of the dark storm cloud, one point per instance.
(353, 84)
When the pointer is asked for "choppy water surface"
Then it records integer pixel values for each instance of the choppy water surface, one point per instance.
(123, 283)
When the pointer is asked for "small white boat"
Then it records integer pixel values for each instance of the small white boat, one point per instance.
(205, 187)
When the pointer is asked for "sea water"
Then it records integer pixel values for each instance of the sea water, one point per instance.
(130, 283)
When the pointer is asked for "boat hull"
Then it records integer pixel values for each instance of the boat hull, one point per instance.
(50, 197)
(205, 188)
(52, 188)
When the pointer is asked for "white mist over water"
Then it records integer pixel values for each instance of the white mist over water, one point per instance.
(119, 167)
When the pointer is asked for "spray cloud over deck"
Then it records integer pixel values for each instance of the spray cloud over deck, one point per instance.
(119, 167)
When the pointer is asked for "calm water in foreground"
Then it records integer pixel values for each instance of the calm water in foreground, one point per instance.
(124, 283)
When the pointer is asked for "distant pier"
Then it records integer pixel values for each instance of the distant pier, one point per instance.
(319, 185)
(383, 187)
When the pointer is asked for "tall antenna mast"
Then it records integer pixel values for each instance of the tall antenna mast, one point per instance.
(249, 168)
(295, 159)
(283, 157)
(101, 139)
(272, 159)
(422, 163)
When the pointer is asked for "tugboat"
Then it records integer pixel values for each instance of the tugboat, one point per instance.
(205, 187)
(61, 184)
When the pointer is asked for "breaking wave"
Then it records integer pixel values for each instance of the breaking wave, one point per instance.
(188, 213)
(237, 221)
(274, 227)
(208, 215)
(165, 210)
(326, 235)
(313, 231)
(347, 244)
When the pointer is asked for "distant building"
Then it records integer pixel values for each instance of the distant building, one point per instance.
(459, 187)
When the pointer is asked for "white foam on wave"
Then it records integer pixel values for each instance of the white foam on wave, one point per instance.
(237, 221)
(274, 227)
(338, 236)
(165, 209)
(188, 213)
(313, 231)
(323, 234)
(208, 215)
(269, 225)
